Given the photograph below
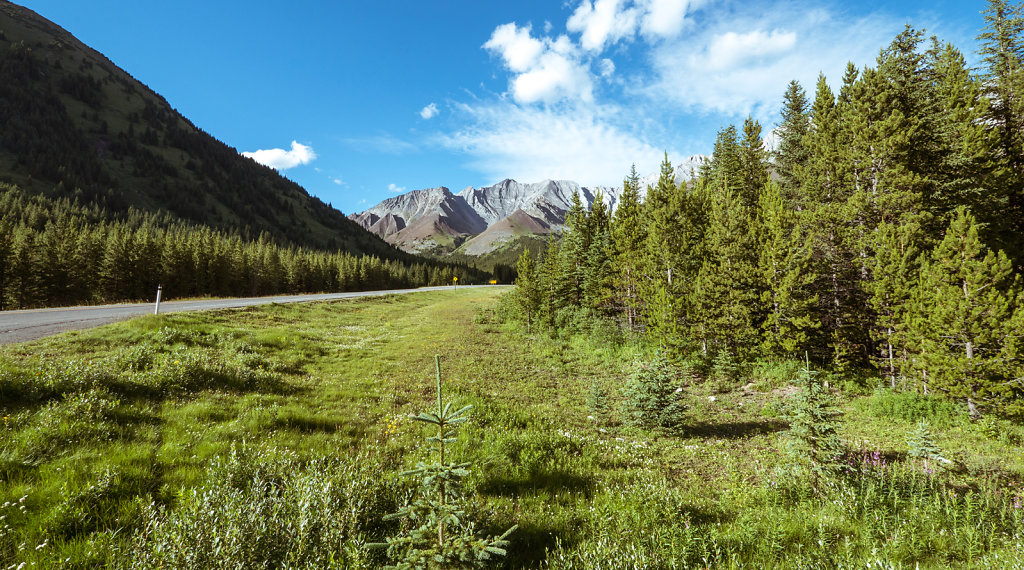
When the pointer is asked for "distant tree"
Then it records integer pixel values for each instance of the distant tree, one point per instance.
(527, 293)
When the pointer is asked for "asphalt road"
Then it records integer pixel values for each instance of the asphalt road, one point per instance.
(21, 326)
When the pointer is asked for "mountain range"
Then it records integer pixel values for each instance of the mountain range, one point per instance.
(480, 221)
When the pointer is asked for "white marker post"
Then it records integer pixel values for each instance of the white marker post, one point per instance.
(159, 291)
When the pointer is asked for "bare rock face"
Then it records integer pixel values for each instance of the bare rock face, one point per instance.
(424, 219)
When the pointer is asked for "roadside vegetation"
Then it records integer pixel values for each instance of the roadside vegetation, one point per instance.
(276, 436)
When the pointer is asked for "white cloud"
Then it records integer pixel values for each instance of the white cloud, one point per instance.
(663, 18)
(606, 66)
(738, 61)
(430, 111)
(528, 144)
(395, 188)
(338, 181)
(601, 22)
(546, 71)
(730, 50)
(283, 159)
(516, 46)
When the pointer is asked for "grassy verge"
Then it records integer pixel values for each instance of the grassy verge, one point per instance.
(273, 437)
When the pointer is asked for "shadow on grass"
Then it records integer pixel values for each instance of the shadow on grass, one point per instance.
(530, 543)
(553, 480)
(732, 430)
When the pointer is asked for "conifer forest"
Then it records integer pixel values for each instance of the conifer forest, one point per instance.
(804, 356)
(886, 232)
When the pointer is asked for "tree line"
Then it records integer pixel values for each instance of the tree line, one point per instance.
(59, 252)
(884, 232)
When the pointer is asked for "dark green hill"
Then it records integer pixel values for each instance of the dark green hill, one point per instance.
(73, 124)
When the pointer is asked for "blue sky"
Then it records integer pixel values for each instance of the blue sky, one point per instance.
(359, 100)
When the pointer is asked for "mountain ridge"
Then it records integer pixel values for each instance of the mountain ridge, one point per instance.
(481, 220)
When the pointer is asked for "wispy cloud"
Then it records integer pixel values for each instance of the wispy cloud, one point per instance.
(430, 111)
(394, 188)
(739, 59)
(282, 159)
(505, 140)
(384, 143)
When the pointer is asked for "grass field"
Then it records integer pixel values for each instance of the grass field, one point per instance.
(274, 437)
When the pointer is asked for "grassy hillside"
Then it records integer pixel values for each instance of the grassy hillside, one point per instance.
(275, 435)
(73, 124)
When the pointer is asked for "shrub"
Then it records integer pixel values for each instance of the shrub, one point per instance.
(654, 395)
(914, 407)
(268, 510)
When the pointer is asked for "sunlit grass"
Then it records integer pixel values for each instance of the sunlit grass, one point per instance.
(119, 441)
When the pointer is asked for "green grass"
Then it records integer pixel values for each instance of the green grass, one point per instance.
(274, 436)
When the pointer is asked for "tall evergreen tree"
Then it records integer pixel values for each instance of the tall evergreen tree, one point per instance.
(1002, 51)
(724, 300)
(791, 154)
(628, 234)
(965, 320)
(753, 160)
(785, 276)
(894, 268)
(527, 293)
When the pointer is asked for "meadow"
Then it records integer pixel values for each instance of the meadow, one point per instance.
(274, 437)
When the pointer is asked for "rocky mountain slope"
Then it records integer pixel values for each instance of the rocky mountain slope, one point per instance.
(478, 221)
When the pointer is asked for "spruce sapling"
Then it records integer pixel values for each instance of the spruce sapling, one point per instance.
(922, 444)
(444, 537)
(654, 396)
(813, 424)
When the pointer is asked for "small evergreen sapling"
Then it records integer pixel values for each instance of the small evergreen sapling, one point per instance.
(813, 427)
(597, 400)
(654, 396)
(922, 444)
(445, 537)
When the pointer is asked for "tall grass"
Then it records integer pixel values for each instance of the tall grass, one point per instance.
(273, 437)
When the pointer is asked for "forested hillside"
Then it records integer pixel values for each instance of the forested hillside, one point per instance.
(892, 238)
(58, 252)
(74, 125)
(106, 192)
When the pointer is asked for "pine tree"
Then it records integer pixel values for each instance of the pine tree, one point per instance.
(628, 234)
(785, 276)
(791, 154)
(964, 318)
(445, 537)
(1002, 51)
(724, 301)
(964, 164)
(572, 257)
(894, 268)
(753, 162)
(653, 395)
(922, 444)
(527, 293)
(676, 221)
